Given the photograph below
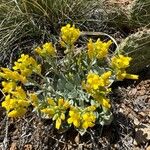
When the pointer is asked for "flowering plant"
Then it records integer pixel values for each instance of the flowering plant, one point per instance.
(71, 89)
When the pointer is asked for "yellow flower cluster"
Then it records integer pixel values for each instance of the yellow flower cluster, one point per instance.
(8, 86)
(97, 87)
(79, 118)
(8, 74)
(98, 49)
(26, 65)
(105, 102)
(56, 111)
(16, 101)
(94, 81)
(69, 35)
(82, 118)
(46, 50)
(119, 64)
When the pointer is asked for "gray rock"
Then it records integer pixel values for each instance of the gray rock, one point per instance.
(137, 46)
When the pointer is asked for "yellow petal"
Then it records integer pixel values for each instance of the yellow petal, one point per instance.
(76, 123)
(70, 120)
(85, 125)
(58, 123)
(62, 116)
(132, 76)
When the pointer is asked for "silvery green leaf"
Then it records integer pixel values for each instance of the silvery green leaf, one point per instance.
(73, 94)
(34, 109)
(60, 84)
(84, 61)
(109, 120)
(59, 93)
(111, 82)
(30, 84)
(48, 79)
(39, 92)
(94, 62)
(101, 122)
(92, 102)
(97, 114)
(69, 86)
(81, 131)
(71, 102)
(77, 79)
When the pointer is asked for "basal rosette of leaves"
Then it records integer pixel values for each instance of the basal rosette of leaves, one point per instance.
(72, 89)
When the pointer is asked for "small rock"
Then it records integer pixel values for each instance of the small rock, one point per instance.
(148, 148)
(136, 121)
(142, 114)
(77, 139)
(142, 134)
(142, 92)
(28, 147)
(13, 146)
(133, 91)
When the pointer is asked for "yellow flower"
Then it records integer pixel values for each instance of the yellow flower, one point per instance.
(51, 102)
(19, 93)
(49, 111)
(102, 48)
(12, 75)
(94, 81)
(6, 103)
(132, 76)
(39, 50)
(8, 86)
(88, 119)
(23, 103)
(63, 103)
(105, 77)
(62, 116)
(26, 65)
(17, 112)
(104, 102)
(60, 102)
(33, 98)
(82, 118)
(98, 49)
(90, 108)
(15, 107)
(58, 119)
(121, 74)
(69, 35)
(16, 102)
(74, 117)
(120, 62)
(56, 111)
(49, 49)
(58, 123)
(46, 50)
(91, 49)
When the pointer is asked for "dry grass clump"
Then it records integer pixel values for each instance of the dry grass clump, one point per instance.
(24, 22)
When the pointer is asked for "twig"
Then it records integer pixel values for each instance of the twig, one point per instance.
(98, 34)
(5, 141)
(74, 145)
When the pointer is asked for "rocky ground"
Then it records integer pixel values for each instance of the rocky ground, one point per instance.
(130, 129)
